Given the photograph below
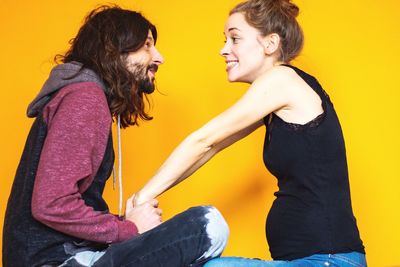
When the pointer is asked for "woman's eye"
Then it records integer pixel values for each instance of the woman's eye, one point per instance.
(233, 39)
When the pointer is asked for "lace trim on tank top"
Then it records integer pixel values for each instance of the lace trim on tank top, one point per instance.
(293, 126)
(311, 124)
(325, 99)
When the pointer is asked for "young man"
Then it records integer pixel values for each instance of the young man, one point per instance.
(56, 215)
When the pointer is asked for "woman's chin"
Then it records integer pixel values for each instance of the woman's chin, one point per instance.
(237, 80)
(233, 79)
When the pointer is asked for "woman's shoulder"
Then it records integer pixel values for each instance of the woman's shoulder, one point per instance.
(277, 77)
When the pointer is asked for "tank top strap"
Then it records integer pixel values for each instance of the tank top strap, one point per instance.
(313, 83)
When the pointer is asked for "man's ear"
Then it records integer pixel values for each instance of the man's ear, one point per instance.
(271, 43)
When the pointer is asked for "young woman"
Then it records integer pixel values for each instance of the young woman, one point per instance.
(311, 222)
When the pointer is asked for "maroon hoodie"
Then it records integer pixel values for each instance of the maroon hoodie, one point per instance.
(56, 206)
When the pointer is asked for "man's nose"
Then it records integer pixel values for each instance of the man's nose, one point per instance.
(157, 57)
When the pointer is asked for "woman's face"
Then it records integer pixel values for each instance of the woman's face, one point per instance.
(243, 51)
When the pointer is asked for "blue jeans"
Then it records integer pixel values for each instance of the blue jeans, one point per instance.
(191, 238)
(352, 259)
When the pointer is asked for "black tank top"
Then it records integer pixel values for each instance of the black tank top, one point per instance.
(312, 211)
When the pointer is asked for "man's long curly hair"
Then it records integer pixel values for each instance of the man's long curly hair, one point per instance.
(102, 44)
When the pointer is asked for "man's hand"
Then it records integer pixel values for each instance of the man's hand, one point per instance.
(145, 216)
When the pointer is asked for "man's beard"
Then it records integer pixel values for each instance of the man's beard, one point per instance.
(140, 72)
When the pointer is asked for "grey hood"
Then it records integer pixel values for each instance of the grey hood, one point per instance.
(59, 77)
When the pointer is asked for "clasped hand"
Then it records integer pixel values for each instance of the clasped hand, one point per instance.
(145, 216)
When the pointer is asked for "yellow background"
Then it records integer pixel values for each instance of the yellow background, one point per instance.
(352, 47)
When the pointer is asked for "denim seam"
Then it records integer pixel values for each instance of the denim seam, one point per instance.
(154, 251)
(347, 260)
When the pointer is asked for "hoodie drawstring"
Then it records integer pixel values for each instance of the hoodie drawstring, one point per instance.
(119, 167)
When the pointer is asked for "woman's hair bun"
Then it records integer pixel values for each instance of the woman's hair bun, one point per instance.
(288, 7)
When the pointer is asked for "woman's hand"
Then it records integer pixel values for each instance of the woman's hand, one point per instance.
(138, 199)
(145, 215)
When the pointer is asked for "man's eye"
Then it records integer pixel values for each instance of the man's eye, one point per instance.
(235, 40)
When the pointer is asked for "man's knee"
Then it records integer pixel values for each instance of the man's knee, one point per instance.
(216, 228)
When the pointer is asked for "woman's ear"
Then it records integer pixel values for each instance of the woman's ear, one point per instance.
(271, 43)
